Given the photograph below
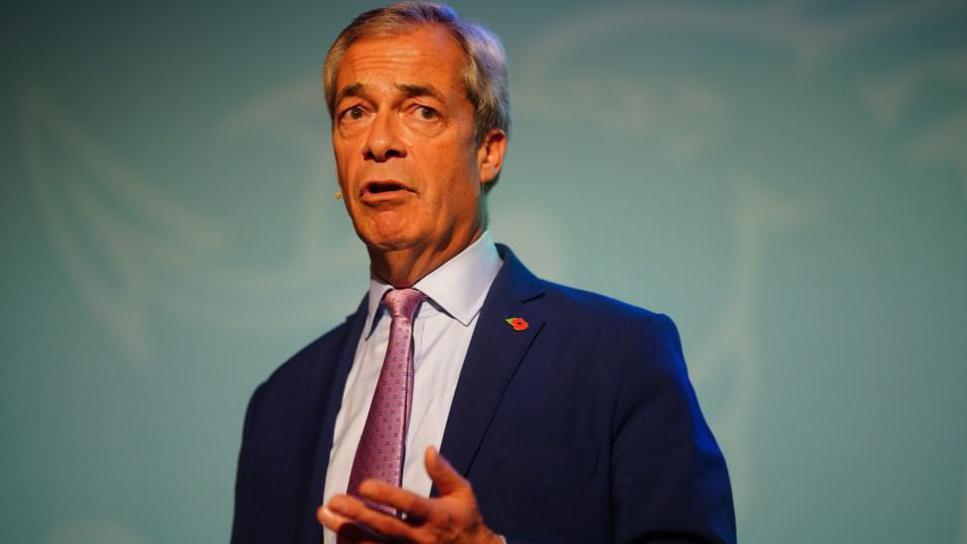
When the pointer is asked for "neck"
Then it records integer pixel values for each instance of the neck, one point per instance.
(402, 268)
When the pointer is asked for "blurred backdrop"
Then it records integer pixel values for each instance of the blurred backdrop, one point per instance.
(787, 180)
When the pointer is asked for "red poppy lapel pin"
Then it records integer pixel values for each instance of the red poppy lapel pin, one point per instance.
(517, 323)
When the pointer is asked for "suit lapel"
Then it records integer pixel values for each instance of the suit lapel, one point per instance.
(329, 386)
(495, 352)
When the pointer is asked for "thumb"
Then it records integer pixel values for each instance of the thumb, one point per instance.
(447, 480)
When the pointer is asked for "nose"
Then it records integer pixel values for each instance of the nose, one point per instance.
(383, 141)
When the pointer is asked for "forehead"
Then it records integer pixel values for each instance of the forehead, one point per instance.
(427, 55)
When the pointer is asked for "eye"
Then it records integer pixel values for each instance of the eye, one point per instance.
(427, 113)
(354, 113)
(423, 119)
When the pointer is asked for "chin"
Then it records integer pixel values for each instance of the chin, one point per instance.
(385, 240)
(388, 231)
(387, 245)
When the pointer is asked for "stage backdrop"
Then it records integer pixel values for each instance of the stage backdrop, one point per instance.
(787, 180)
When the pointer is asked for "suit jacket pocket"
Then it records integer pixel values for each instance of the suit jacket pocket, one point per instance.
(548, 465)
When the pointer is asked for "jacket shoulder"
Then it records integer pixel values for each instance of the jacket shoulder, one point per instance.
(616, 334)
(581, 305)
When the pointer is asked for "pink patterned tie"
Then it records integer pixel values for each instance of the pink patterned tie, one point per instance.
(382, 446)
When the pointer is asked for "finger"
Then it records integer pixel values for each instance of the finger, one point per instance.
(390, 495)
(445, 478)
(355, 511)
(330, 519)
(348, 530)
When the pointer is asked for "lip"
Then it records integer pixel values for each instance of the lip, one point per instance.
(383, 190)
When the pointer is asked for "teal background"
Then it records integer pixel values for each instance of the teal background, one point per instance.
(787, 180)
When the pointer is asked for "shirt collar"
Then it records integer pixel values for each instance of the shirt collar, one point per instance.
(458, 286)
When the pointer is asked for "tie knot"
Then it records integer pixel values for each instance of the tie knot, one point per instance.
(403, 302)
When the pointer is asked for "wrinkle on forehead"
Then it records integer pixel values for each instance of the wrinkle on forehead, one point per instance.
(368, 57)
(418, 54)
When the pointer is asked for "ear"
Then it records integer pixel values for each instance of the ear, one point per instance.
(490, 155)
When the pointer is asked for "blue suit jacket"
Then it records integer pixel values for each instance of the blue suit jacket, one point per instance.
(581, 428)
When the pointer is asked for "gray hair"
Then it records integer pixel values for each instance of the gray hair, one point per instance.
(484, 76)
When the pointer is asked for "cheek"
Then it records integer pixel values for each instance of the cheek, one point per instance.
(454, 194)
(343, 148)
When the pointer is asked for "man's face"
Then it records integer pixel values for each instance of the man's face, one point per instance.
(403, 137)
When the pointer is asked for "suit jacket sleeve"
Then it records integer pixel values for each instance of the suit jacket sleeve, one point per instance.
(244, 508)
(670, 482)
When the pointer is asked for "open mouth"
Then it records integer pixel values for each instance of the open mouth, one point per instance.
(382, 187)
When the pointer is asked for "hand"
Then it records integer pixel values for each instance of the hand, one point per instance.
(453, 517)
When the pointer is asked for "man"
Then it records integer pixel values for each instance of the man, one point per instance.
(466, 400)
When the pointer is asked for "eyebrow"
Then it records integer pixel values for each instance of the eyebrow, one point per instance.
(356, 89)
(410, 90)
